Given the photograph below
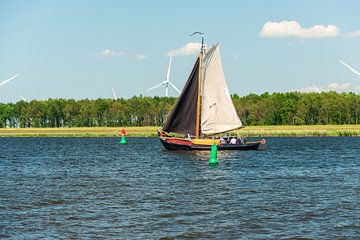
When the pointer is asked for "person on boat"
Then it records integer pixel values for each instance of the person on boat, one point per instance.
(233, 140)
(239, 141)
(222, 140)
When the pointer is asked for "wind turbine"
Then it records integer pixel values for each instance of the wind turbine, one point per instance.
(316, 88)
(22, 98)
(166, 82)
(115, 97)
(350, 68)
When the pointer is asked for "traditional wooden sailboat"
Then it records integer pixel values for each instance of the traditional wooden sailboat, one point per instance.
(204, 110)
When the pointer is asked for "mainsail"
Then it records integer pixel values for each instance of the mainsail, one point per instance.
(218, 113)
(183, 116)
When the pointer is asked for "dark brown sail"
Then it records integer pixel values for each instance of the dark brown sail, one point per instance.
(183, 116)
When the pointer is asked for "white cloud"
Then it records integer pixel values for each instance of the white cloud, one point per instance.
(312, 89)
(140, 56)
(189, 49)
(109, 53)
(339, 87)
(294, 29)
(353, 34)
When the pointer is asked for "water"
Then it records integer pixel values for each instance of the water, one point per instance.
(94, 188)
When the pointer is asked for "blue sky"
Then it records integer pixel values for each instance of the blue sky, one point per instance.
(82, 49)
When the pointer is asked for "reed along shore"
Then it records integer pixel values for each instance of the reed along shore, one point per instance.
(250, 131)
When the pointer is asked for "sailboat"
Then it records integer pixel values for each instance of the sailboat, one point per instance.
(204, 110)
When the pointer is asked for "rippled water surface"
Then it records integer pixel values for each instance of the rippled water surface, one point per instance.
(94, 188)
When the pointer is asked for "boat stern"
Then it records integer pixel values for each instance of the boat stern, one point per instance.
(262, 145)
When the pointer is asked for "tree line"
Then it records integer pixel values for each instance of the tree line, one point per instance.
(291, 108)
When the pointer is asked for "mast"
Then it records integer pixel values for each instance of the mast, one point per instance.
(197, 127)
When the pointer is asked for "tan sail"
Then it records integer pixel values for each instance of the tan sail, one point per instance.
(218, 113)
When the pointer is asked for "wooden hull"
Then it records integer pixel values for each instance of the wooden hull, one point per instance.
(172, 143)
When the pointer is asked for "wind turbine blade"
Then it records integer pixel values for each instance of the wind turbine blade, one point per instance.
(174, 87)
(115, 97)
(168, 72)
(351, 69)
(8, 80)
(156, 86)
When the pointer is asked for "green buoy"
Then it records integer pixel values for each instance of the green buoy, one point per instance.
(123, 140)
(213, 155)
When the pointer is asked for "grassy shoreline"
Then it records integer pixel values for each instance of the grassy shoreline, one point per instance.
(251, 131)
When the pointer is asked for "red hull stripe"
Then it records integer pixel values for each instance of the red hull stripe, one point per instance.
(180, 142)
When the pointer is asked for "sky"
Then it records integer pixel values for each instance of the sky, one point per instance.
(83, 49)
